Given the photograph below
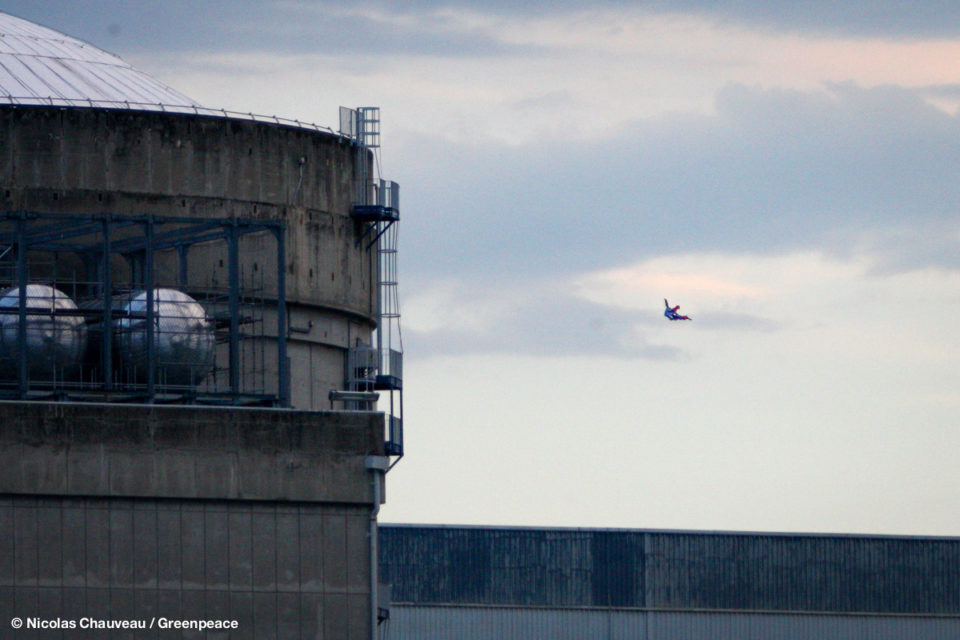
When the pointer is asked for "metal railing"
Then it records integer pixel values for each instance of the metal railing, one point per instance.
(394, 443)
(363, 364)
(392, 364)
(33, 101)
(366, 365)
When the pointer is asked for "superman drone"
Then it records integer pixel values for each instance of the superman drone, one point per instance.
(671, 312)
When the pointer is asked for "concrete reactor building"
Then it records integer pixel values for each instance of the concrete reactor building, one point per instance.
(198, 319)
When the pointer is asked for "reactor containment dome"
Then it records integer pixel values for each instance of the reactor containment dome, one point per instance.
(40, 66)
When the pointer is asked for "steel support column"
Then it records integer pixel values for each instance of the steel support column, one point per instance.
(151, 307)
(22, 371)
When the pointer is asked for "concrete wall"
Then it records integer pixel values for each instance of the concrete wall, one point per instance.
(80, 160)
(282, 571)
(132, 511)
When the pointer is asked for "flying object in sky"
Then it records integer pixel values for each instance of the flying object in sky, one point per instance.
(671, 312)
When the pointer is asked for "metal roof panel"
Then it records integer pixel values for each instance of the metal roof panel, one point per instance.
(42, 66)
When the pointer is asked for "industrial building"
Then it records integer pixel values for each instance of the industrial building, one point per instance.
(514, 583)
(200, 369)
(201, 393)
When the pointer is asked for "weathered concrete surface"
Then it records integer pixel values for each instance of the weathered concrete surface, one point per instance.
(80, 160)
(85, 160)
(129, 512)
(282, 571)
(74, 449)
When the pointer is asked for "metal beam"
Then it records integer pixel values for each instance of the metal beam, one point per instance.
(163, 240)
(22, 381)
(107, 280)
(151, 309)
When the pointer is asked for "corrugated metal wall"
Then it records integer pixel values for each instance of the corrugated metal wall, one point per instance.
(670, 570)
(512, 566)
(529, 623)
(806, 573)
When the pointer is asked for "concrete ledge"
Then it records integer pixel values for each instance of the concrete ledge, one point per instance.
(77, 449)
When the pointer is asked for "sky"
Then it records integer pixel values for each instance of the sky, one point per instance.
(785, 172)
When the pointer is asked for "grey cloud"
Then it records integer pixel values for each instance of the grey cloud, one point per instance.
(873, 18)
(771, 171)
(281, 26)
(891, 249)
(869, 18)
(545, 322)
(942, 90)
(550, 99)
(252, 26)
(727, 321)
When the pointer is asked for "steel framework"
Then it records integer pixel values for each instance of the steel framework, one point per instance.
(78, 252)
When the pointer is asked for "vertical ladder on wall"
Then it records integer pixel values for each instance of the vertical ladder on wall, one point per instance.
(379, 366)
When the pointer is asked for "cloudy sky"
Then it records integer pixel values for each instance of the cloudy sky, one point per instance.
(787, 172)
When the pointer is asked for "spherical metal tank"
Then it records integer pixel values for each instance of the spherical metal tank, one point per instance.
(55, 336)
(183, 337)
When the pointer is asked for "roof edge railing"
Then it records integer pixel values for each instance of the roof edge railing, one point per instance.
(124, 105)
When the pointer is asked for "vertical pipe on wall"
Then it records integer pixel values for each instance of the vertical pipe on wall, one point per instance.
(378, 267)
(378, 466)
(233, 277)
(22, 306)
(283, 366)
(151, 308)
(374, 586)
(106, 278)
(183, 266)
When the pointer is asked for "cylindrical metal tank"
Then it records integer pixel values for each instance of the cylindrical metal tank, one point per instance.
(183, 338)
(55, 336)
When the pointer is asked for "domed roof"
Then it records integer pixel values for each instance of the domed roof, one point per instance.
(40, 66)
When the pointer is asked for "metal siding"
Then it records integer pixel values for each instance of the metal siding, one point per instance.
(757, 626)
(516, 623)
(525, 567)
(505, 623)
(670, 570)
(802, 573)
(619, 567)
